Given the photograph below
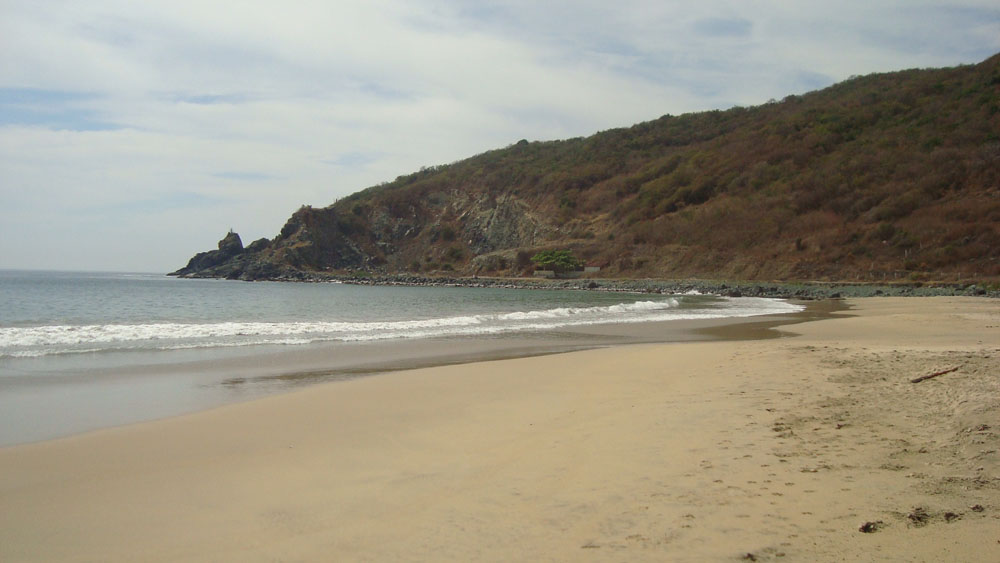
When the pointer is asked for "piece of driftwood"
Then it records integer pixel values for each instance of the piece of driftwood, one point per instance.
(932, 375)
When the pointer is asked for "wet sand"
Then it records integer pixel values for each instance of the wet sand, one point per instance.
(64, 395)
(816, 446)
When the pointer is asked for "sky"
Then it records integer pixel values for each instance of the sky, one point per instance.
(135, 134)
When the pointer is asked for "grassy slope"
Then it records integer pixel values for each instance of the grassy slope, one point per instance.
(880, 177)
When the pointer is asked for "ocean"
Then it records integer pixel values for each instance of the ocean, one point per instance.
(80, 351)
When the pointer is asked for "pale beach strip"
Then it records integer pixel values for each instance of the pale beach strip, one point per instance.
(777, 449)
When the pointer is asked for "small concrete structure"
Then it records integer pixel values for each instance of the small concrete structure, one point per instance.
(551, 274)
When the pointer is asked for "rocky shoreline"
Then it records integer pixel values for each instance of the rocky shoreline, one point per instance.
(784, 290)
(234, 262)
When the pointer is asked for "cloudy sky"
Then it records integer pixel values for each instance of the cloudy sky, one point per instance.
(134, 134)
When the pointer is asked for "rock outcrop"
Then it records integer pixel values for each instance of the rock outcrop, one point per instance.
(229, 248)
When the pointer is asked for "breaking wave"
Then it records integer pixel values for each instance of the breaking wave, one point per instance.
(67, 339)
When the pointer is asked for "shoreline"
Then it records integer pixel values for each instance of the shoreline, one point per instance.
(38, 408)
(803, 290)
(811, 447)
(572, 339)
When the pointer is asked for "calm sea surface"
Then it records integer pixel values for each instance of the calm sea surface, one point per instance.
(76, 348)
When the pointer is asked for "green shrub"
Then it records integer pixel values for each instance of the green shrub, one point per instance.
(559, 261)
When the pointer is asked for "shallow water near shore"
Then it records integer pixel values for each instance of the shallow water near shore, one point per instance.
(86, 351)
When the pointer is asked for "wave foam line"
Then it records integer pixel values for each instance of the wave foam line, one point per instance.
(57, 340)
(68, 335)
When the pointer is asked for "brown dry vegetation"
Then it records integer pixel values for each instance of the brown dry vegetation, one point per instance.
(881, 177)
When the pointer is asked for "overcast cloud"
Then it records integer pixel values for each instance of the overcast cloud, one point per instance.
(134, 134)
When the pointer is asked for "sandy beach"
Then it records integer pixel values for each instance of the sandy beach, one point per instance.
(813, 447)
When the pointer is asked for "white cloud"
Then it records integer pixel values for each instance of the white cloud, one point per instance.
(159, 125)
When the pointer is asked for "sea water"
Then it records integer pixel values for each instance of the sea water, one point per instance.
(54, 313)
(86, 350)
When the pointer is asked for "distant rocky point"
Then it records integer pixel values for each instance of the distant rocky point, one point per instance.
(231, 261)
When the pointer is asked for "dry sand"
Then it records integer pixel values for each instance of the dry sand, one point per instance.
(776, 449)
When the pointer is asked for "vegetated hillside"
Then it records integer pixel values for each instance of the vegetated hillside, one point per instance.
(881, 177)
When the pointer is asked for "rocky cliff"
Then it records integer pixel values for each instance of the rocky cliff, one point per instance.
(882, 177)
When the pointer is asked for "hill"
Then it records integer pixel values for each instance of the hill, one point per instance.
(881, 177)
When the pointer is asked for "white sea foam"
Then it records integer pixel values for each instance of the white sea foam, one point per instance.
(63, 339)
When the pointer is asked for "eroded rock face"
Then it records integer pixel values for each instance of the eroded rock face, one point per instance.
(259, 245)
(507, 223)
(231, 244)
